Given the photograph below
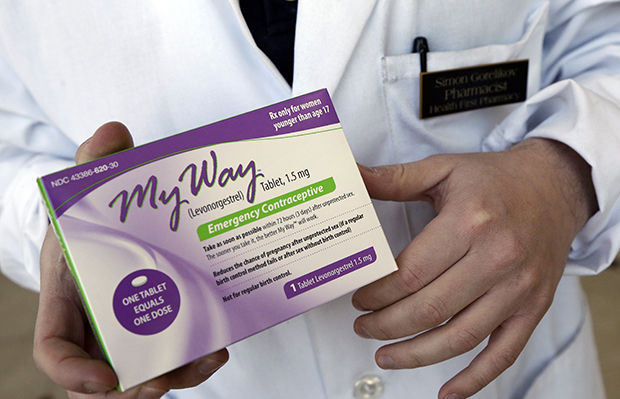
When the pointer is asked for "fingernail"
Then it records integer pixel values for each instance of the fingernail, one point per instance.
(362, 332)
(369, 169)
(208, 366)
(453, 396)
(94, 387)
(87, 141)
(151, 393)
(386, 363)
(358, 306)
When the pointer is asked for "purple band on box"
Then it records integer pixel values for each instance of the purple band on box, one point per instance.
(80, 180)
(329, 273)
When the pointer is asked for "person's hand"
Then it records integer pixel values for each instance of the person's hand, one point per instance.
(64, 346)
(488, 264)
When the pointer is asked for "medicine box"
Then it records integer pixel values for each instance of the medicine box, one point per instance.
(183, 246)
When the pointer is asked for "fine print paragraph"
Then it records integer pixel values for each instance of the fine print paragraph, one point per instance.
(245, 262)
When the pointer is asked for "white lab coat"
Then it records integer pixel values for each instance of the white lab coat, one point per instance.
(162, 67)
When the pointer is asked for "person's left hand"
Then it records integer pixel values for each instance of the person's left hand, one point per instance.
(65, 347)
(488, 264)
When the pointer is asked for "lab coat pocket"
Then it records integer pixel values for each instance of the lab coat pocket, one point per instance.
(463, 131)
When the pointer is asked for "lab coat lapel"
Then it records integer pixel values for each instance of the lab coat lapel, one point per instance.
(324, 41)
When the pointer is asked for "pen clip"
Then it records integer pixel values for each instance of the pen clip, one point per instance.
(420, 45)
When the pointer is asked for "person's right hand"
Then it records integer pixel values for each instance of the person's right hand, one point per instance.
(64, 346)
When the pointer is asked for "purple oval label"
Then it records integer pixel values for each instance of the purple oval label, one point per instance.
(146, 302)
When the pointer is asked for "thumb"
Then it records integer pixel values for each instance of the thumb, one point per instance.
(413, 181)
(110, 138)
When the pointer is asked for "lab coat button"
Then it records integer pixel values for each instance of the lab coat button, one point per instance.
(368, 387)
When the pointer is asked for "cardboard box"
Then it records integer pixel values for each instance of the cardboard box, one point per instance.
(186, 245)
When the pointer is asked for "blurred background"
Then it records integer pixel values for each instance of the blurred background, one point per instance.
(20, 379)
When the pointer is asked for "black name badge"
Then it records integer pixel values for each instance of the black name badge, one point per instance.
(466, 89)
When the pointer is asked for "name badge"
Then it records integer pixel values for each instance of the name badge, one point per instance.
(466, 89)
